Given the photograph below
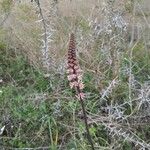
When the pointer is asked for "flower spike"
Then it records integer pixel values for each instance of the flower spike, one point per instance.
(74, 71)
(75, 81)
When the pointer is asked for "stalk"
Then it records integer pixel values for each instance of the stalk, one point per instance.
(75, 80)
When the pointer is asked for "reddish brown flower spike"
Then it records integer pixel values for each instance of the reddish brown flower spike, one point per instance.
(75, 79)
(73, 70)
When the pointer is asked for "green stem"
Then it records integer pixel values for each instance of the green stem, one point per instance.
(86, 124)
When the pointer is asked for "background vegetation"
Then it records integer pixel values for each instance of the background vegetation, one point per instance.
(38, 110)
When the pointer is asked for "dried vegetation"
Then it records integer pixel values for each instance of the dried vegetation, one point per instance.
(38, 109)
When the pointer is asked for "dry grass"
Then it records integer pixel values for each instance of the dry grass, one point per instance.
(113, 50)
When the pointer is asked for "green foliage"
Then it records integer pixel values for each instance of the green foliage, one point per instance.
(26, 14)
(142, 62)
(83, 24)
(5, 5)
(2, 47)
(43, 111)
(127, 146)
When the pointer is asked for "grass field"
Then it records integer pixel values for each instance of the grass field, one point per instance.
(38, 110)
